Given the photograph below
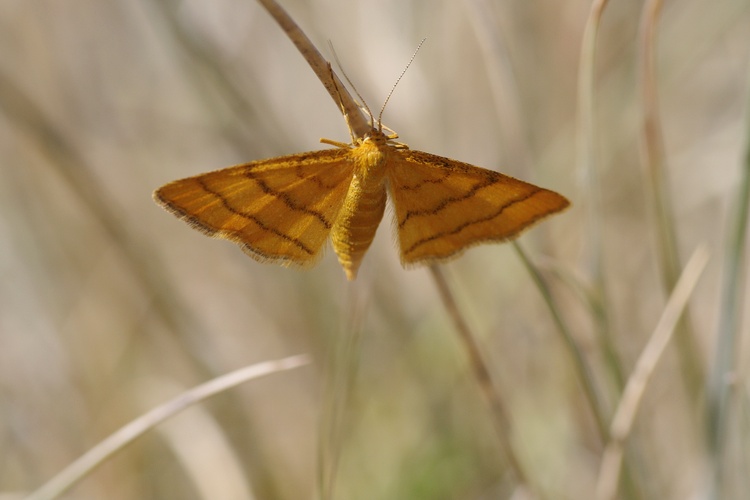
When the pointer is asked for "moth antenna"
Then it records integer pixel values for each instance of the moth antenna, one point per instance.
(380, 115)
(346, 77)
(342, 108)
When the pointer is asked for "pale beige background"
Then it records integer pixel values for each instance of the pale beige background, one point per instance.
(109, 305)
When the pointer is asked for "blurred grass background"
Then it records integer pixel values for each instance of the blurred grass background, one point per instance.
(108, 305)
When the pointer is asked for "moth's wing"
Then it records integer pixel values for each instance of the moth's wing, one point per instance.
(444, 206)
(280, 209)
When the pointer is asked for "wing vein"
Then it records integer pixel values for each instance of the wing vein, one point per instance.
(286, 199)
(250, 217)
(487, 218)
(445, 202)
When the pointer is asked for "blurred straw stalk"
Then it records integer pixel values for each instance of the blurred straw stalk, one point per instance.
(103, 294)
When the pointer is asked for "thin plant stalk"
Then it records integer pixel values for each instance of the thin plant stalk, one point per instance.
(730, 319)
(322, 68)
(587, 164)
(597, 294)
(585, 373)
(341, 370)
(482, 373)
(654, 158)
(114, 443)
(622, 423)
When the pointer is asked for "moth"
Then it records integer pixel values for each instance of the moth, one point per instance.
(284, 209)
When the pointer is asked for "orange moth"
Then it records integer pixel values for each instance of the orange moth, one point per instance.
(284, 209)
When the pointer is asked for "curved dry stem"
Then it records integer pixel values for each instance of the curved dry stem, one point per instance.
(128, 433)
(622, 422)
(597, 296)
(655, 163)
(322, 68)
(590, 173)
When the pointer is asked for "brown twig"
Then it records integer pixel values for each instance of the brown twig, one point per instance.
(322, 68)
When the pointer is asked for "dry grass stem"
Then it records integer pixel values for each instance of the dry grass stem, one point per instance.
(636, 386)
(84, 465)
(322, 68)
(481, 372)
(585, 373)
(655, 162)
(588, 165)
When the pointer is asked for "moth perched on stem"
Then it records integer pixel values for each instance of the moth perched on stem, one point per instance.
(284, 209)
